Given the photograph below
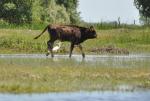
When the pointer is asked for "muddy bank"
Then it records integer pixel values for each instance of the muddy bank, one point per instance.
(110, 50)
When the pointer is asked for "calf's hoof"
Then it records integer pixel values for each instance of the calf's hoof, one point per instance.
(52, 55)
(83, 55)
(47, 54)
(69, 56)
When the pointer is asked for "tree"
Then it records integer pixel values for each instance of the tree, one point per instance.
(143, 6)
(53, 13)
(16, 11)
(34, 11)
(71, 7)
(144, 20)
(68, 4)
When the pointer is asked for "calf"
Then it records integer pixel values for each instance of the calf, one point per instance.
(71, 33)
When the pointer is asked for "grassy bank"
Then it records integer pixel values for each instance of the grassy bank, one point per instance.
(21, 40)
(46, 75)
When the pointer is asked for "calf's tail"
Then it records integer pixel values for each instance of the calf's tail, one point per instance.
(42, 32)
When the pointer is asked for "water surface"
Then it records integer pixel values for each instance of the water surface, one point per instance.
(121, 61)
(80, 96)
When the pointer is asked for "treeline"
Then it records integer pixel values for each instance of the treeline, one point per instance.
(53, 11)
(39, 11)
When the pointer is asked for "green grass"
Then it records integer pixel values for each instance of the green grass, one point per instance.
(35, 26)
(46, 75)
(134, 40)
(21, 40)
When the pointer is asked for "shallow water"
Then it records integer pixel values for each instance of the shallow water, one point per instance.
(77, 57)
(80, 96)
(121, 61)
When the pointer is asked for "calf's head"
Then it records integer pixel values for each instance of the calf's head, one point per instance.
(91, 33)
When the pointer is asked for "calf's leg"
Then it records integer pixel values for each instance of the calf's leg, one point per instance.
(80, 47)
(50, 47)
(71, 49)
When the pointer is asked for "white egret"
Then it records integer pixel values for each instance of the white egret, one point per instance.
(56, 48)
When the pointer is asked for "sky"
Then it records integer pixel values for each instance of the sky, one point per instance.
(108, 10)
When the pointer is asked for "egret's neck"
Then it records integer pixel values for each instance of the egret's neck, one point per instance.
(59, 44)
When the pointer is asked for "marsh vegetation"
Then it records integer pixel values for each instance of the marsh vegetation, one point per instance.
(26, 75)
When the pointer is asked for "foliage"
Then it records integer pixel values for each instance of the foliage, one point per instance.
(53, 13)
(71, 6)
(16, 11)
(39, 11)
(144, 20)
(143, 6)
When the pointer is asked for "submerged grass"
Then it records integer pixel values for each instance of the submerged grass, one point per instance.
(46, 75)
(21, 40)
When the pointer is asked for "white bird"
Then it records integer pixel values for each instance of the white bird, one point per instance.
(56, 48)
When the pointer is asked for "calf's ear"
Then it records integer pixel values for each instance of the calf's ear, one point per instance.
(91, 28)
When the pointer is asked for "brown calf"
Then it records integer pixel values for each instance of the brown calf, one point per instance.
(71, 33)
